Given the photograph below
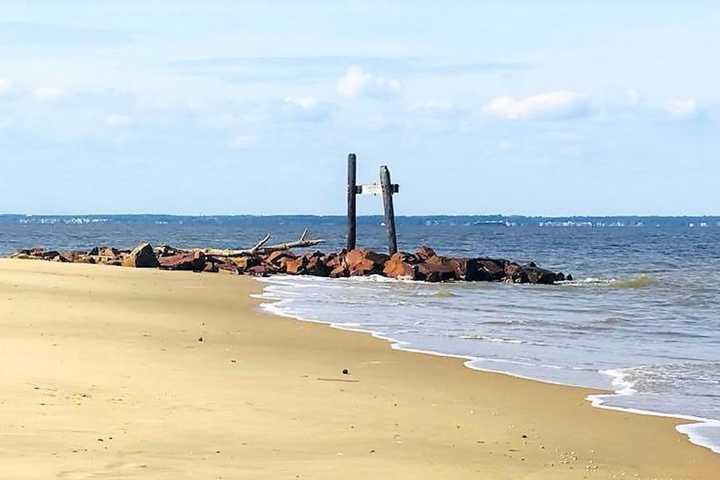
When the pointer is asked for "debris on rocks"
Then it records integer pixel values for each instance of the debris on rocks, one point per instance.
(262, 261)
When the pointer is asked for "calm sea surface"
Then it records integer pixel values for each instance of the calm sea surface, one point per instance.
(641, 318)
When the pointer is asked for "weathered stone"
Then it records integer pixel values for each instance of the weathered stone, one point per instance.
(60, 258)
(361, 262)
(316, 266)
(425, 252)
(194, 261)
(142, 256)
(229, 268)
(258, 271)
(337, 265)
(469, 270)
(402, 266)
(308, 264)
(211, 267)
(514, 273)
(340, 271)
(37, 252)
(540, 275)
(245, 262)
(435, 272)
(113, 261)
(278, 260)
(166, 251)
(76, 256)
(494, 267)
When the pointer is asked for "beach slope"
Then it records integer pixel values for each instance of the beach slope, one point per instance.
(126, 373)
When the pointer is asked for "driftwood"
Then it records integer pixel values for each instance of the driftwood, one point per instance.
(260, 247)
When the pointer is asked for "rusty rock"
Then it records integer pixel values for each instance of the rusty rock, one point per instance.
(278, 260)
(194, 261)
(229, 268)
(425, 252)
(361, 262)
(258, 271)
(402, 266)
(435, 272)
(142, 256)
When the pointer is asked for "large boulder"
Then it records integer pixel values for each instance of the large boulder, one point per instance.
(361, 262)
(435, 272)
(106, 255)
(308, 264)
(424, 253)
(277, 261)
(245, 262)
(142, 256)
(337, 265)
(194, 261)
(469, 270)
(229, 268)
(402, 266)
(540, 275)
(495, 268)
(75, 256)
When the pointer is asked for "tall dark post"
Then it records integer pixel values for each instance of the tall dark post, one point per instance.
(351, 197)
(387, 193)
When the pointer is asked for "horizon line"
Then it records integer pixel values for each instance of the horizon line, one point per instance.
(359, 215)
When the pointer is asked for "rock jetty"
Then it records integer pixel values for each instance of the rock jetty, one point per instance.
(422, 265)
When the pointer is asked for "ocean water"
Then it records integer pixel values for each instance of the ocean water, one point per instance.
(641, 318)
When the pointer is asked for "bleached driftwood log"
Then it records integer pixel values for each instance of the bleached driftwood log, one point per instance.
(260, 247)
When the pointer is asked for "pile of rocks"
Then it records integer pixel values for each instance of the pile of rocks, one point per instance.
(423, 265)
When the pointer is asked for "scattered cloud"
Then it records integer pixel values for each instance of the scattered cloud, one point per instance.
(356, 82)
(545, 106)
(306, 103)
(682, 108)
(306, 109)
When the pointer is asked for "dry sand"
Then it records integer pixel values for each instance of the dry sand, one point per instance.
(103, 375)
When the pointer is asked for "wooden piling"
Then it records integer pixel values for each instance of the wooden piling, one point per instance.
(387, 193)
(351, 199)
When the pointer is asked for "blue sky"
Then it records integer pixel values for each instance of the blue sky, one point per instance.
(537, 108)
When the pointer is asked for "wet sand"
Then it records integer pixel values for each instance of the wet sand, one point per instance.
(110, 372)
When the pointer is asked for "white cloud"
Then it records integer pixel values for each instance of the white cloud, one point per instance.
(46, 94)
(551, 105)
(356, 82)
(682, 107)
(306, 109)
(306, 103)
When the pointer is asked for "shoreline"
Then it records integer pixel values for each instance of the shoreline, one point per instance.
(596, 399)
(193, 380)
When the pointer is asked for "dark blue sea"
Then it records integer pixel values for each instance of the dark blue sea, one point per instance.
(641, 317)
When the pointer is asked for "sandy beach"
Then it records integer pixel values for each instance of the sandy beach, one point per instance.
(111, 372)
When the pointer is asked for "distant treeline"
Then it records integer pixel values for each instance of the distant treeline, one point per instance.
(429, 220)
